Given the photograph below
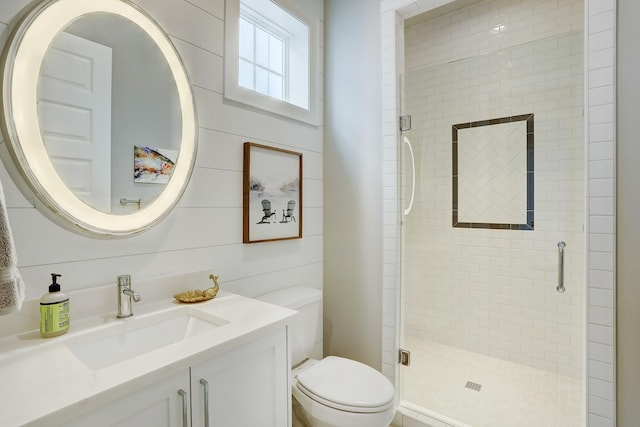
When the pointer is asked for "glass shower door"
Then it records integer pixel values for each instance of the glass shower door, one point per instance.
(498, 145)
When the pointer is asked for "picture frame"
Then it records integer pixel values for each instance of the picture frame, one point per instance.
(272, 194)
(493, 173)
(153, 165)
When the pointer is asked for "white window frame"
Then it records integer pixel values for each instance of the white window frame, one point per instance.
(233, 91)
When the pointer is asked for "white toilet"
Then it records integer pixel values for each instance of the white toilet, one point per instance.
(334, 391)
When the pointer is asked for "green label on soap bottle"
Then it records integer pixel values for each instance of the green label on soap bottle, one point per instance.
(54, 317)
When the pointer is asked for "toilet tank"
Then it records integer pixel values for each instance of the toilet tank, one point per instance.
(304, 326)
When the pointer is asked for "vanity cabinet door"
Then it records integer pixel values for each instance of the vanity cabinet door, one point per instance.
(248, 386)
(156, 405)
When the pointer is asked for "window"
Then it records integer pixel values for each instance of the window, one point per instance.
(271, 58)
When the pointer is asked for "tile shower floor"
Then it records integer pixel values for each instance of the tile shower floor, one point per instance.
(510, 394)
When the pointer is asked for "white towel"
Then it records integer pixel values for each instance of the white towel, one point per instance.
(11, 285)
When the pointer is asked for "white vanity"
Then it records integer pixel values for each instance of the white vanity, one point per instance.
(223, 362)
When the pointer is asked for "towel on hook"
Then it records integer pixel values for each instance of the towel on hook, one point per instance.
(11, 285)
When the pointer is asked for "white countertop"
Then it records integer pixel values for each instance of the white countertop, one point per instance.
(41, 381)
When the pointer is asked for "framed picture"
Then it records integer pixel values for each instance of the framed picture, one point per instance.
(493, 173)
(272, 194)
(153, 165)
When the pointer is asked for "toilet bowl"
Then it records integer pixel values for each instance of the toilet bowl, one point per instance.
(339, 392)
(334, 391)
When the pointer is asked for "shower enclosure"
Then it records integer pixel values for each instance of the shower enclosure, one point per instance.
(492, 241)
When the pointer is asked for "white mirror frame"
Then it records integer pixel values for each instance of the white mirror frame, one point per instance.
(29, 163)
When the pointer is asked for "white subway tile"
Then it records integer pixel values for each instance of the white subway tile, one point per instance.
(601, 389)
(600, 334)
(602, 40)
(601, 242)
(602, 21)
(601, 132)
(595, 420)
(601, 113)
(601, 224)
(599, 7)
(600, 316)
(601, 59)
(601, 279)
(601, 260)
(601, 370)
(601, 205)
(602, 408)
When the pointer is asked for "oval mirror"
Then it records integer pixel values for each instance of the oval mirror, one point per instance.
(98, 116)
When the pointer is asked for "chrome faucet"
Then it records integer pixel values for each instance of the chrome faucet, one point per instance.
(125, 295)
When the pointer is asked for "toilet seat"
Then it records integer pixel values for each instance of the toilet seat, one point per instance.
(346, 385)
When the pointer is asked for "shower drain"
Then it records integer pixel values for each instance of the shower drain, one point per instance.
(473, 386)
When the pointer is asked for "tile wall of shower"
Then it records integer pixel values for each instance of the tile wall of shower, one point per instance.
(494, 291)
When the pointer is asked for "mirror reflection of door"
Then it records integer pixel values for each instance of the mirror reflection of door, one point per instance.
(74, 107)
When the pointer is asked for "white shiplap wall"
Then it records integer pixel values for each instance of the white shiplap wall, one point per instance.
(205, 230)
(600, 28)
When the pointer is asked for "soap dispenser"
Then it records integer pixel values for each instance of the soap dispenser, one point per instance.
(54, 310)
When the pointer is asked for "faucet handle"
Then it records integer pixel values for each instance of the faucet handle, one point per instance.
(124, 280)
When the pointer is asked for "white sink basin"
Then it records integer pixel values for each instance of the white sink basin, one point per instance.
(127, 338)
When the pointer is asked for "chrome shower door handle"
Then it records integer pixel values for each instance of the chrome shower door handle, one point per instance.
(561, 246)
(413, 176)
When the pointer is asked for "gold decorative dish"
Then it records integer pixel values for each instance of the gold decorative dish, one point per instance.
(198, 295)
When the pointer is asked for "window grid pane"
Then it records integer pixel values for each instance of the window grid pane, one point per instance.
(261, 62)
(276, 47)
(262, 81)
(275, 85)
(246, 42)
(245, 74)
(262, 48)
